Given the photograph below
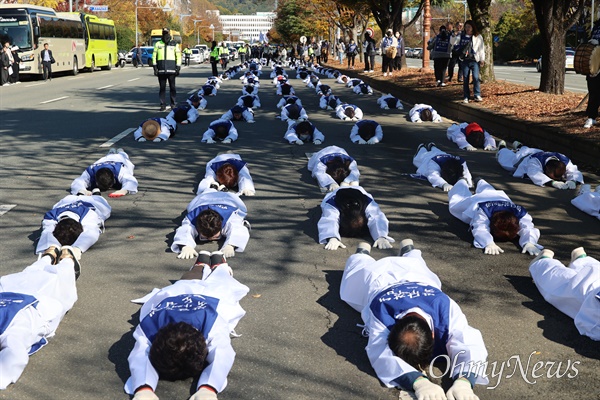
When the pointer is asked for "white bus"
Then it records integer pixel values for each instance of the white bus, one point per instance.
(29, 27)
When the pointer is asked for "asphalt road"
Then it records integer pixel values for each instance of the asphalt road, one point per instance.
(299, 341)
(526, 75)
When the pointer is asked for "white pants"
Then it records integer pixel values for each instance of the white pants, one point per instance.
(574, 290)
(588, 202)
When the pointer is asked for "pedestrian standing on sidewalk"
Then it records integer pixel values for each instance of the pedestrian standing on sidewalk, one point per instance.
(340, 48)
(370, 52)
(455, 47)
(351, 53)
(593, 84)
(389, 48)
(442, 49)
(400, 52)
(472, 56)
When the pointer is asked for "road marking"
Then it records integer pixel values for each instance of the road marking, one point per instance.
(104, 87)
(134, 79)
(56, 99)
(4, 208)
(192, 91)
(118, 137)
(36, 84)
(73, 78)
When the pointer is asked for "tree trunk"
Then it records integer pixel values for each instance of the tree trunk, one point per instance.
(480, 12)
(554, 17)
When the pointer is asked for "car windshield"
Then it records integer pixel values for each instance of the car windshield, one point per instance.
(570, 53)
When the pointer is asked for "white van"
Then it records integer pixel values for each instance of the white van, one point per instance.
(204, 49)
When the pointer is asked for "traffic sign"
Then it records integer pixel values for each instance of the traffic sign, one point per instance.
(98, 8)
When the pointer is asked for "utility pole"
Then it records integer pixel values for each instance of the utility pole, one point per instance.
(426, 29)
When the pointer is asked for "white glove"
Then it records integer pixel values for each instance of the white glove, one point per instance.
(334, 244)
(247, 192)
(355, 119)
(382, 243)
(204, 394)
(76, 252)
(461, 390)
(157, 140)
(332, 187)
(419, 121)
(251, 121)
(489, 147)
(531, 249)
(470, 148)
(354, 183)
(373, 140)
(227, 140)
(299, 142)
(447, 187)
(571, 184)
(228, 251)
(118, 193)
(344, 183)
(84, 192)
(145, 395)
(493, 249)
(360, 141)
(187, 252)
(425, 390)
(141, 139)
(210, 141)
(316, 141)
(594, 42)
(559, 185)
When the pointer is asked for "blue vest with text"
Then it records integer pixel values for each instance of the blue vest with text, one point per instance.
(237, 164)
(491, 207)
(113, 166)
(79, 207)
(10, 305)
(223, 210)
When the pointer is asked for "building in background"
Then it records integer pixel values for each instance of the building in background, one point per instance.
(245, 27)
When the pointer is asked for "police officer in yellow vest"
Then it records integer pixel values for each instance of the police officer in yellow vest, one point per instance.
(187, 55)
(215, 56)
(242, 51)
(224, 57)
(166, 60)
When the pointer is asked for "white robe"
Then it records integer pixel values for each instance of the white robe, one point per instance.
(244, 179)
(364, 278)
(465, 206)
(218, 284)
(125, 178)
(319, 169)
(54, 288)
(210, 133)
(292, 137)
(588, 202)
(329, 223)
(423, 160)
(234, 230)
(92, 223)
(455, 134)
(520, 163)
(339, 112)
(383, 104)
(575, 290)
(355, 137)
(415, 113)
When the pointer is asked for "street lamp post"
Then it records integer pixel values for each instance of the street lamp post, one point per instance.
(165, 9)
(197, 31)
(213, 30)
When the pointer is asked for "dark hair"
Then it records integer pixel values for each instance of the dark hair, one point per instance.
(227, 175)
(180, 114)
(249, 88)
(555, 169)
(411, 340)
(366, 131)
(213, 44)
(303, 128)
(338, 169)
(349, 112)
(504, 226)
(426, 115)
(286, 89)
(476, 139)
(248, 100)
(105, 179)
(364, 88)
(290, 100)
(178, 351)
(475, 30)
(452, 170)
(221, 132)
(67, 231)
(353, 220)
(239, 111)
(209, 223)
(332, 102)
(293, 111)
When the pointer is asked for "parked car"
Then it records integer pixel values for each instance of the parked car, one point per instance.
(197, 56)
(233, 53)
(203, 49)
(418, 52)
(128, 56)
(408, 51)
(569, 61)
(146, 55)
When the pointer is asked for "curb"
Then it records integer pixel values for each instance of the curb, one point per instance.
(580, 150)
